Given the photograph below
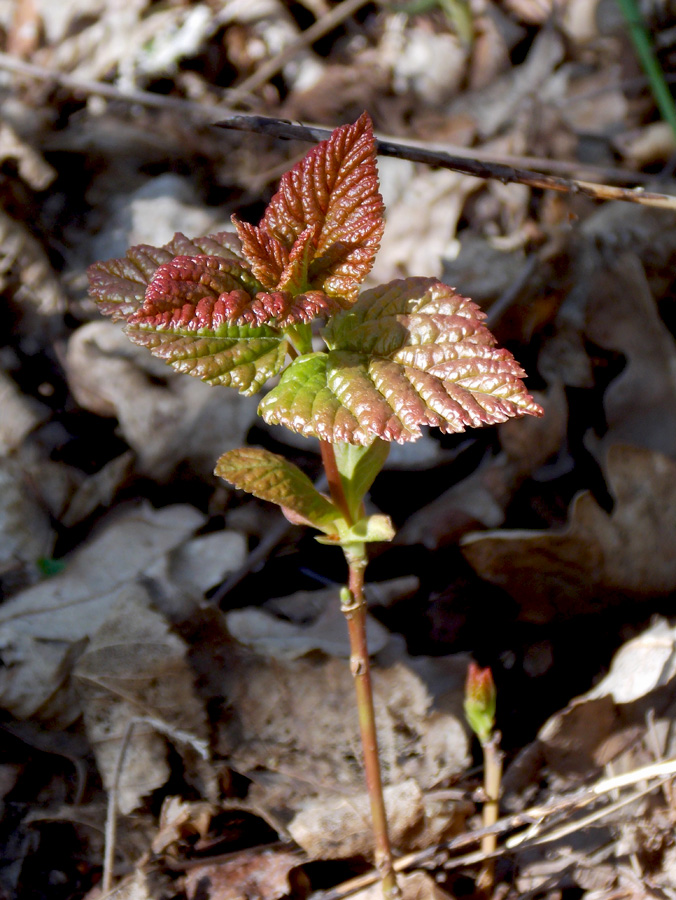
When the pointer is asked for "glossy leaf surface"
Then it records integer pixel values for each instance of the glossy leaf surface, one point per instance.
(409, 353)
(327, 217)
(118, 285)
(271, 477)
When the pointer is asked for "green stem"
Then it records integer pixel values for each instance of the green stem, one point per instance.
(644, 50)
(353, 605)
(492, 781)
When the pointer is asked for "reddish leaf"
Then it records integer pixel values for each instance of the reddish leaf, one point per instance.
(335, 188)
(409, 353)
(118, 285)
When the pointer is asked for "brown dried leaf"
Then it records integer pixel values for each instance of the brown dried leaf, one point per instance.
(134, 667)
(263, 874)
(601, 557)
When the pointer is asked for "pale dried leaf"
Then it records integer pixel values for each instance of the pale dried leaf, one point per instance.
(20, 415)
(640, 403)
(299, 719)
(166, 422)
(25, 530)
(41, 627)
(135, 667)
(280, 639)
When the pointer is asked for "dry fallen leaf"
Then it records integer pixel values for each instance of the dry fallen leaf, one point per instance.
(134, 667)
(275, 637)
(263, 874)
(22, 258)
(640, 403)
(294, 730)
(42, 629)
(164, 417)
(26, 532)
(600, 558)
(482, 497)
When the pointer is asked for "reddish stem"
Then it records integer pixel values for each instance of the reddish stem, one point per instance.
(333, 478)
(355, 613)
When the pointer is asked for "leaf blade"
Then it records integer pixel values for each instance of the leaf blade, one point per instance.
(409, 353)
(334, 191)
(118, 286)
(271, 477)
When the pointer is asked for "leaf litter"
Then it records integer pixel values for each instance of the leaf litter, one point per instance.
(567, 521)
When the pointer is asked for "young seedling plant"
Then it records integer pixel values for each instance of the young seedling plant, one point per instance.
(241, 309)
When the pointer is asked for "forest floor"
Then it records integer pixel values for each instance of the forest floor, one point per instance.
(174, 648)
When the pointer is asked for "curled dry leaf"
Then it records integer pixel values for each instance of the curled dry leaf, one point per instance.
(600, 558)
(135, 668)
(606, 722)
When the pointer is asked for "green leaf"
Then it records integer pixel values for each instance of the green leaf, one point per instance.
(197, 315)
(118, 286)
(409, 353)
(334, 191)
(358, 467)
(271, 477)
(232, 355)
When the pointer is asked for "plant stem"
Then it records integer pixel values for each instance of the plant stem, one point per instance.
(353, 605)
(355, 614)
(492, 780)
(333, 478)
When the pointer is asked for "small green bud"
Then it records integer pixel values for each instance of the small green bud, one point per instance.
(480, 696)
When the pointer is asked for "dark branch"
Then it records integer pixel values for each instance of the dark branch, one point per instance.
(467, 166)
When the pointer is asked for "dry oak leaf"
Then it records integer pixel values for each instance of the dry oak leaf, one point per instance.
(600, 557)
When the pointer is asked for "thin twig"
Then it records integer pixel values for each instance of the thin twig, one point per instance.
(177, 735)
(536, 815)
(466, 166)
(207, 112)
(269, 69)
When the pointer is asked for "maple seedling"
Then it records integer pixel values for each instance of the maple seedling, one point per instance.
(239, 309)
(480, 703)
